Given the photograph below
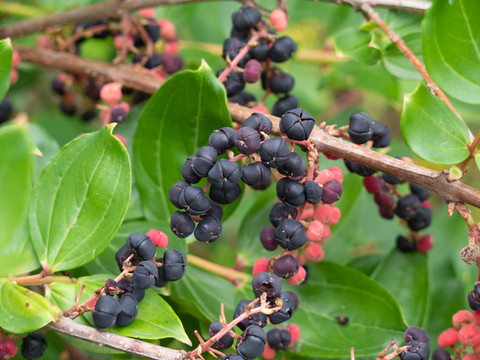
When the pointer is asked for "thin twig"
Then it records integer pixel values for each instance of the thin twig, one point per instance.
(102, 338)
(226, 272)
(435, 181)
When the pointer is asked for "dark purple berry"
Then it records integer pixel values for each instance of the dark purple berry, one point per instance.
(121, 255)
(34, 345)
(288, 102)
(256, 175)
(225, 197)
(260, 52)
(247, 140)
(141, 245)
(286, 266)
(204, 160)
(6, 109)
(408, 207)
(421, 220)
(208, 230)
(252, 343)
(234, 83)
(171, 63)
(295, 299)
(128, 310)
(59, 86)
(287, 309)
(422, 193)
(225, 174)
(118, 114)
(441, 354)
(279, 339)
(215, 210)
(105, 313)
(360, 128)
(405, 245)
(187, 171)
(267, 239)
(154, 61)
(225, 341)
(274, 152)
(415, 333)
(174, 265)
(387, 212)
(174, 192)
(281, 82)
(293, 167)
(68, 108)
(266, 283)
(258, 319)
(332, 190)
(231, 47)
(417, 350)
(252, 72)
(181, 224)
(297, 124)
(313, 192)
(383, 199)
(291, 192)
(359, 169)
(193, 200)
(282, 49)
(258, 122)
(222, 139)
(280, 212)
(243, 99)
(381, 135)
(246, 18)
(145, 275)
(290, 234)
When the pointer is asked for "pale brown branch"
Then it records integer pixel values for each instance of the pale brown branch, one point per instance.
(102, 338)
(433, 180)
(412, 6)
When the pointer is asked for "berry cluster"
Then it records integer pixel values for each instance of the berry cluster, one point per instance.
(271, 305)
(413, 209)
(249, 54)
(140, 271)
(136, 40)
(33, 346)
(464, 331)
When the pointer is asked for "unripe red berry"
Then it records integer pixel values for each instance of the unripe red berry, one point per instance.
(171, 47)
(268, 353)
(425, 243)
(45, 42)
(16, 59)
(120, 41)
(327, 232)
(261, 109)
(324, 176)
(471, 356)
(307, 213)
(147, 13)
(167, 29)
(337, 172)
(279, 20)
(371, 184)
(294, 333)
(336, 215)
(427, 204)
(13, 76)
(332, 157)
(111, 93)
(261, 265)
(298, 278)
(125, 106)
(315, 231)
(469, 335)
(476, 316)
(314, 252)
(8, 348)
(159, 238)
(462, 318)
(323, 213)
(448, 337)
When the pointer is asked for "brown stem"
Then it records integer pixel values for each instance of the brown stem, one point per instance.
(35, 280)
(374, 17)
(132, 346)
(435, 181)
(472, 148)
(226, 272)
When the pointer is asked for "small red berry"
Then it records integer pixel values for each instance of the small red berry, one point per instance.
(171, 47)
(462, 318)
(167, 29)
(315, 231)
(261, 265)
(324, 213)
(336, 215)
(294, 333)
(469, 335)
(332, 157)
(8, 348)
(338, 173)
(427, 204)
(159, 238)
(448, 337)
(314, 252)
(325, 176)
(147, 13)
(268, 353)
(45, 42)
(298, 278)
(111, 93)
(279, 20)
(425, 243)
(371, 183)
(307, 213)
(16, 60)
(476, 316)
(261, 109)
(471, 356)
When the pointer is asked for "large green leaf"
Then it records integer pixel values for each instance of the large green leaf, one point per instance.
(431, 130)
(6, 52)
(451, 41)
(177, 120)
(334, 290)
(22, 310)
(79, 200)
(16, 173)
(43, 142)
(405, 275)
(355, 43)
(155, 319)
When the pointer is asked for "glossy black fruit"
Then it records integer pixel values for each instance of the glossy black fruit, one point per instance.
(34, 345)
(128, 309)
(252, 343)
(297, 124)
(105, 313)
(266, 283)
(290, 234)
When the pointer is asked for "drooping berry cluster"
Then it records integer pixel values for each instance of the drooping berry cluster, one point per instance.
(464, 331)
(136, 41)
(413, 209)
(140, 271)
(249, 54)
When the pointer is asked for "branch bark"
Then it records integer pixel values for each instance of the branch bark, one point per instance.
(435, 181)
(115, 9)
(132, 346)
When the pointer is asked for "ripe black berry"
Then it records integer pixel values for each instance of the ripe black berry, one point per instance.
(234, 83)
(415, 333)
(232, 357)
(405, 245)
(128, 309)
(282, 105)
(153, 61)
(293, 167)
(422, 193)
(332, 190)
(193, 200)
(225, 341)
(408, 207)
(181, 224)
(121, 255)
(258, 122)
(6, 109)
(441, 354)
(291, 192)
(231, 47)
(280, 212)
(246, 18)
(174, 265)
(33, 345)
(224, 175)
(260, 52)
(105, 313)
(286, 266)
(258, 319)
(243, 99)
(175, 190)
(187, 171)
(256, 175)
(297, 124)
(247, 140)
(252, 342)
(145, 275)
(417, 350)
(281, 82)
(360, 128)
(208, 230)
(215, 210)
(390, 179)
(287, 310)
(152, 29)
(421, 220)
(222, 139)
(59, 86)
(313, 192)
(128, 286)
(266, 283)
(282, 49)
(359, 169)
(204, 160)
(381, 135)
(118, 114)
(290, 234)
(279, 339)
(141, 245)
(474, 298)
(225, 196)
(267, 239)
(274, 152)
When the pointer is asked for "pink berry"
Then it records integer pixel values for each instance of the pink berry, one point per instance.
(307, 213)
(327, 232)
(8, 348)
(324, 176)
(45, 42)
(121, 138)
(171, 47)
(314, 253)
(371, 183)
(427, 204)
(261, 109)
(315, 231)
(125, 106)
(332, 157)
(111, 93)
(16, 60)
(159, 238)
(294, 333)
(425, 243)
(279, 20)
(337, 172)
(147, 13)
(462, 318)
(261, 265)
(268, 353)
(335, 217)
(253, 70)
(323, 213)
(448, 337)
(167, 29)
(407, 159)
(469, 335)
(471, 356)
(476, 316)
(13, 76)
(120, 41)
(298, 278)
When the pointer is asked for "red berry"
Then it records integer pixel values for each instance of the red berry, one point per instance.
(314, 252)
(307, 213)
(448, 337)
(294, 333)
(268, 353)
(253, 70)
(8, 348)
(337, 172)
(462, 318)
(45, 42)
(298, 278)
(331, 157)
(427, 204)
(315, 231)
(336, 215)
(159, 238)
(476, 316)
(147, 13)
(324, 213)
(167, 29)
(371, 183)
(471, 356)
(16, 60)
(261, 265)
(111, 93)
(327, 232)
(279, 20)
(383, 199)
(469, 335)
(324, 176)
(425, 243)
(171, 47)
(261, 109)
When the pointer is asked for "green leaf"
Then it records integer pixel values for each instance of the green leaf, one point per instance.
(355, 43)
(405, 275)
(366, 263)
(16, 172)
(22, 310)
(155, 319)
(6, 52)
(334, 290)
(477, 160)
(177, 120)
(43, 142)
(397, 64)
(451, 41)
(431, 130)
(79, 200)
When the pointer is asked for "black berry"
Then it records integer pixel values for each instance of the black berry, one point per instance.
(225, 196)
(297, 124)
(208, 230)
(274, 152)
(282, 105)
(225, 341)
(193, 200)
(258, 122)
(266, 283)
(174, 265)
(222, 139)
(286, 311)
(405, 245)
(252, 343)
(187, 171)
(280, 212)
(181, 224)
(225, 174)
(204, 160)
(286, 266)
(290, 234)
(174, 192)
(282, 49)
(313, 192)
(105, 313)
(128, 309)
(141, 245)
(145, 275)
(279, 339)
(360, 128)
(258, 319)
(332, 190)
(246, 18)
(291, 192)
(256, 175)
(247, 140)
(408, 207)
(293, 167)
(34, 345)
